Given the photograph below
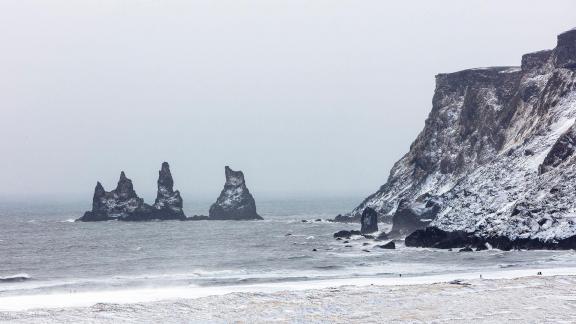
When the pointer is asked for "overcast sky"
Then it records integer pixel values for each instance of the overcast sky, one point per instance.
(304, 96)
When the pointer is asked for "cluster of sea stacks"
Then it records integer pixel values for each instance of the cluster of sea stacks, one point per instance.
(234, 203)
(495, 165)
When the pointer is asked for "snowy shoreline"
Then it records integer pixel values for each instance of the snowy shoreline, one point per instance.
(514, 295)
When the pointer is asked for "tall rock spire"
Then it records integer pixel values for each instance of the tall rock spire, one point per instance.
(168, 201)
(125, 189)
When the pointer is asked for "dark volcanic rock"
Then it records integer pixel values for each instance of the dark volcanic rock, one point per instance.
(382, 236)
(457, 135)
(121, 203)
(124, 204)
(197, 218)
(561, 150)
(346, 234)
(347, 219)
(436, 238)
(369, 221)
(235, 201)
(168, 202)
(566, 50)
(410, 217)
(497, 153)
(536, 60)
(482, 248)
(390, 246)
(99, 211)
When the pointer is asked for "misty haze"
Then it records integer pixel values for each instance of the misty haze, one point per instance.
(287, 161)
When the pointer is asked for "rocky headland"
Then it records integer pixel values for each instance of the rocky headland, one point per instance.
(495, 163)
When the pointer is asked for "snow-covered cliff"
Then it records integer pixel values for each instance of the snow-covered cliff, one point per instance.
(496, 152)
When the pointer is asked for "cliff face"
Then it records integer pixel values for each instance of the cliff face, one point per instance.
(235, 201)
(496, 152)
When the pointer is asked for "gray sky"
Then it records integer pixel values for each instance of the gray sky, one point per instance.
(305, 96)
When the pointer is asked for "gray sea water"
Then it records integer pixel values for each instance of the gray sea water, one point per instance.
(40, 243)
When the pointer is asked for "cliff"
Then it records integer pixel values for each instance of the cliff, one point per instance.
(496, 153)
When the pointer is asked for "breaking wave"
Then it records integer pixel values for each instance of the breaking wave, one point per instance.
(15, 278)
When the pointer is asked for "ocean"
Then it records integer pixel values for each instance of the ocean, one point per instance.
(48, 260)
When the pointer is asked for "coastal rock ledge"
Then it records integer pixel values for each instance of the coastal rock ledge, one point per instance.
(235, 201)
(124, 204)
(433, 237)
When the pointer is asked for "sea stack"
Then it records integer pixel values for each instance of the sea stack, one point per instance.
(235, 201)
(369, 221)
(123, 203)
(168, 202)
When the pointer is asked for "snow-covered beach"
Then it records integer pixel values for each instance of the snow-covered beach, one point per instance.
(496, 297)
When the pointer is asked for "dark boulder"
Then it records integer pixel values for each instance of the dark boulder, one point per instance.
(369, 221)
(482, 248)
(437, 238)
(466, 249)
(235, 201)
(346, 234)
(347, 218)
(390, 246)
(382, 236)
(410, 217)
(197, 218)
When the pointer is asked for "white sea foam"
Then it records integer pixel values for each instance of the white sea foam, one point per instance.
(16, 277)
(129, 296)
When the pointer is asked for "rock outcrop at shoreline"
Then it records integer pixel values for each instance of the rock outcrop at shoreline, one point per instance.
(235, 201)
(369, 221)
(410, 217)
(124, 204)
(496, 155)
(433, 237)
